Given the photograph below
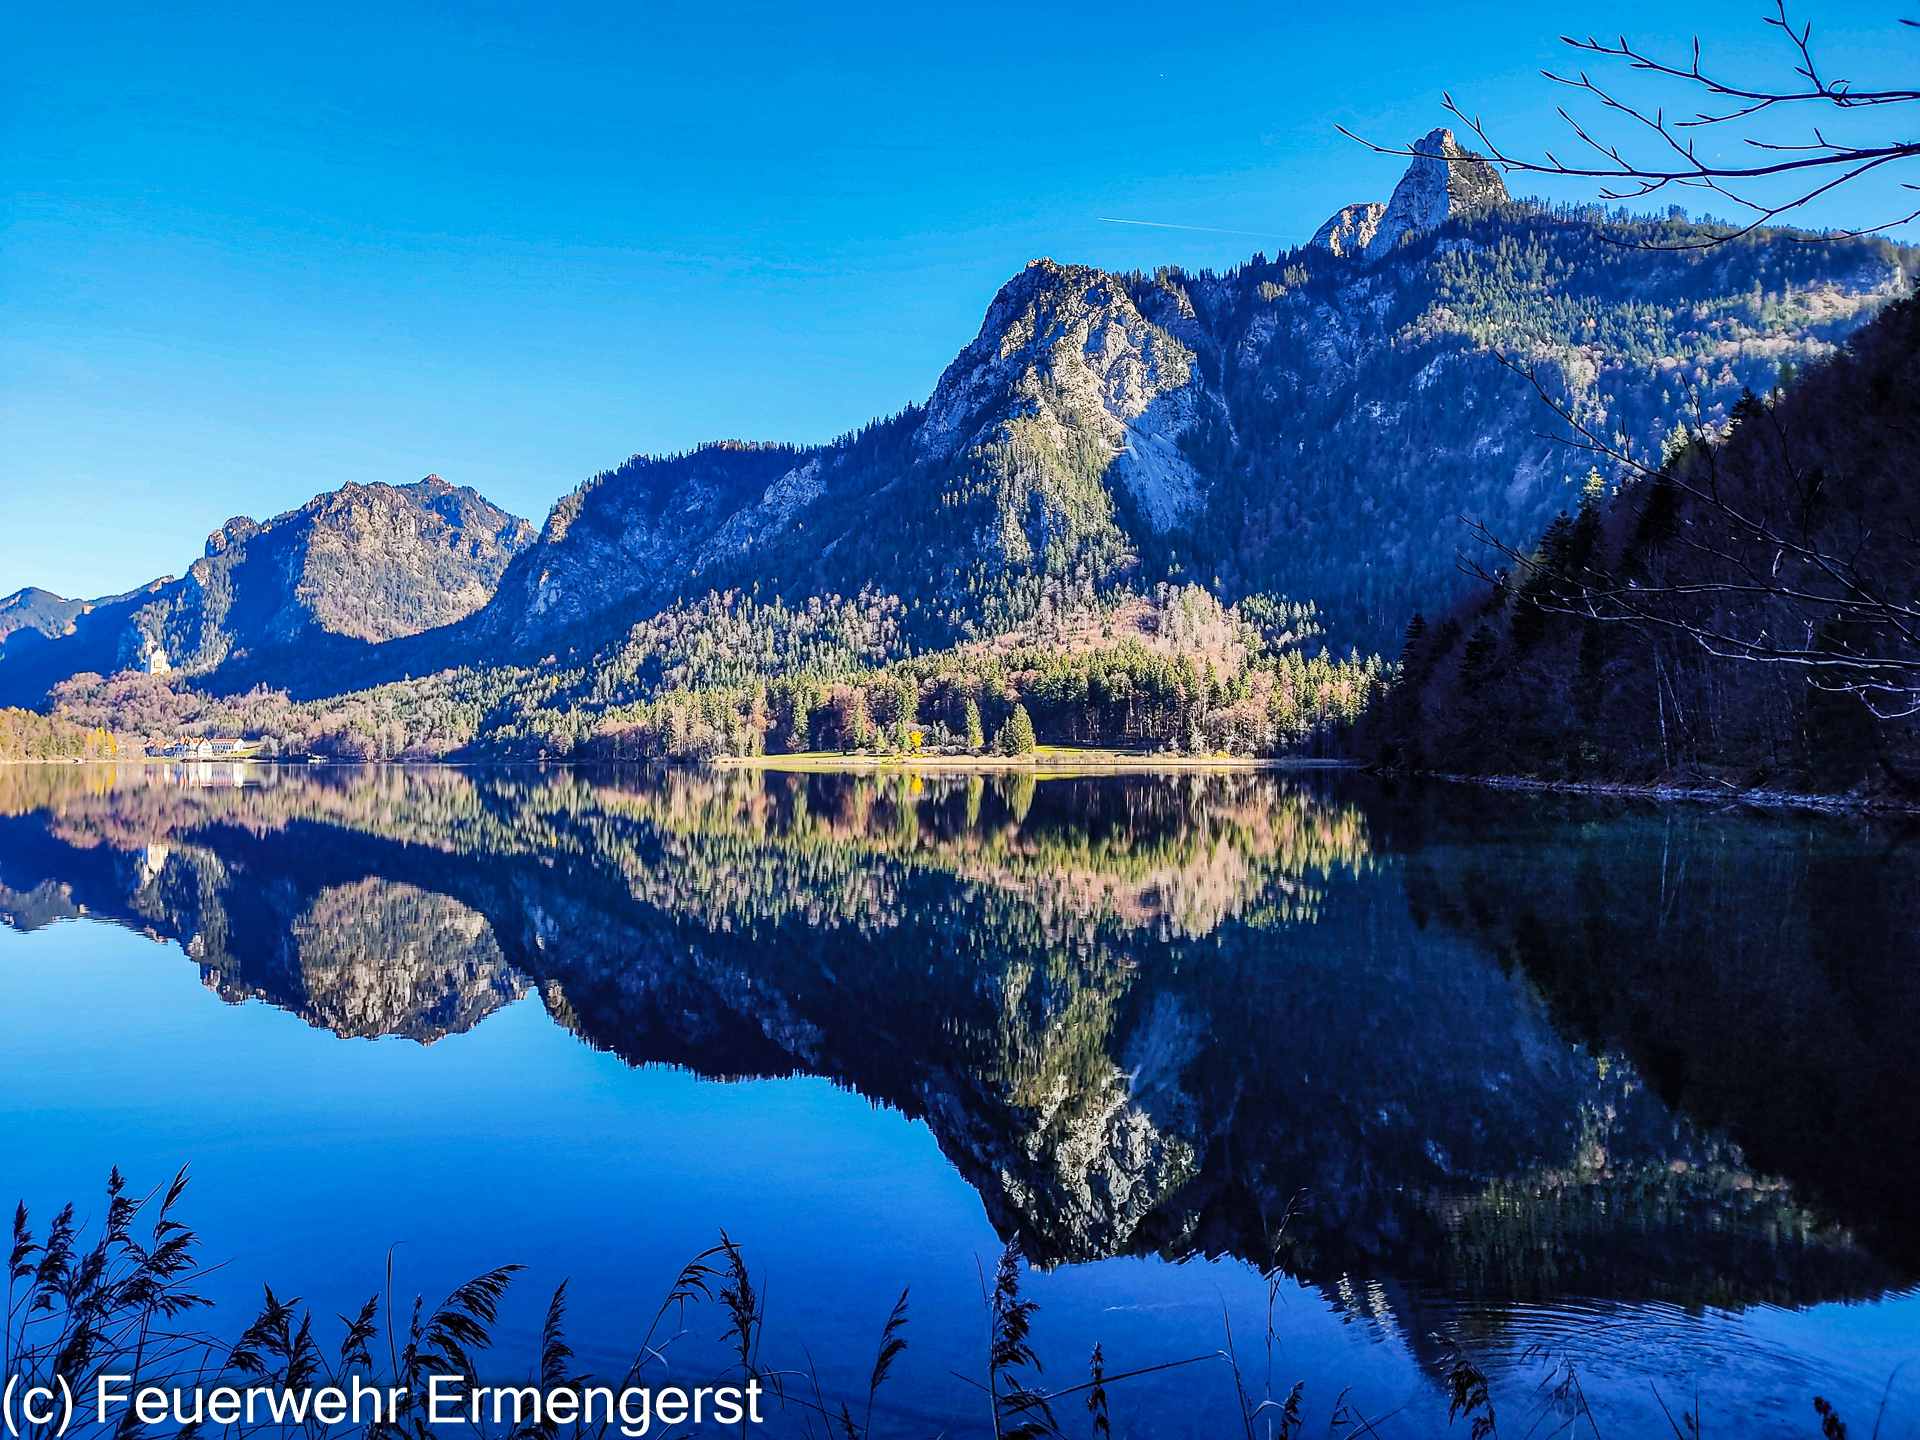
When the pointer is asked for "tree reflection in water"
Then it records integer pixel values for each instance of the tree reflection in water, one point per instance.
(1456, 1049)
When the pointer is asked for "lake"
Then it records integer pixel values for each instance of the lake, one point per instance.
(1618, 1102)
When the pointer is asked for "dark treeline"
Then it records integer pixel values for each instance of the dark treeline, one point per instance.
(1742, 617)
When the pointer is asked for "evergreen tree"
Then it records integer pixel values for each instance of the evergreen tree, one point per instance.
(1477, 659)
(860, 722)
(976, 734)
(1416, 635)
(1016, 736)
(800, 726)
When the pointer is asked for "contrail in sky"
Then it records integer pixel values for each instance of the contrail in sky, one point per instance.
(1159, 225)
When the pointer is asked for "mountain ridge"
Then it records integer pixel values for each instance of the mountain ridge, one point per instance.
(1102, 429)
(1314, 426)
(349, 569)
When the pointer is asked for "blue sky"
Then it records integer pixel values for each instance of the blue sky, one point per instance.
(249, 253)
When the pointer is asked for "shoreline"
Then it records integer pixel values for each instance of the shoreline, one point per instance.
(170, 760)
(1063, 764)
(1054, 762)
(1043, 764)
(1760, 799)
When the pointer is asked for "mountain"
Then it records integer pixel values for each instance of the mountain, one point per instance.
(1444, 181)
(349, 569)
(1314, 425)
(34, 611)
(1742, 618)
(1047, 442)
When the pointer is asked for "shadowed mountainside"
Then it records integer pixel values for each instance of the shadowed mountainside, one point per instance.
(1741, 617)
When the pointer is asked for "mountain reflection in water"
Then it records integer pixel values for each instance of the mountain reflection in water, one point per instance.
(1485, 1049)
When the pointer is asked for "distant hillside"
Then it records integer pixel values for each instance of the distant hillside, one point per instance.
(34, 611)
(347, 570)
(1173, 672)
(1744, 618)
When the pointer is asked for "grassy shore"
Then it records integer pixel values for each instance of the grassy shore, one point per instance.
(1042, 761)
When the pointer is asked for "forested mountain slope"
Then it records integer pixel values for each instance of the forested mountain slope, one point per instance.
(37, 611)
(1744, 617)
(349, 569)
(1173, 671)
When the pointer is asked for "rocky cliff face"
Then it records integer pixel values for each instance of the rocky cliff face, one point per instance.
(1067, 378)
(375, 562)
(1445, 181)
(1350, 229)
(365, 563)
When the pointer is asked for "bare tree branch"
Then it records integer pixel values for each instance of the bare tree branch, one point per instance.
(1780, 576)
(1817, 166)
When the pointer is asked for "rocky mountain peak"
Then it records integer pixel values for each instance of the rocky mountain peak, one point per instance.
(363, 563)
(1066, 358)
(237, 531)
(1351, 228)
(1444, 180)
(1033, 313)
(376, 562)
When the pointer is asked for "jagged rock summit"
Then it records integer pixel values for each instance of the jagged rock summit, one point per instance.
(1065, 355)
(1444, 180)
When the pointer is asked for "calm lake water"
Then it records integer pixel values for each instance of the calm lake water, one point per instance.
(1343, 1076)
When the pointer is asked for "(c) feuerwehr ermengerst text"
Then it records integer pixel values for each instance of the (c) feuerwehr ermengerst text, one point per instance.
(52, 1408)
